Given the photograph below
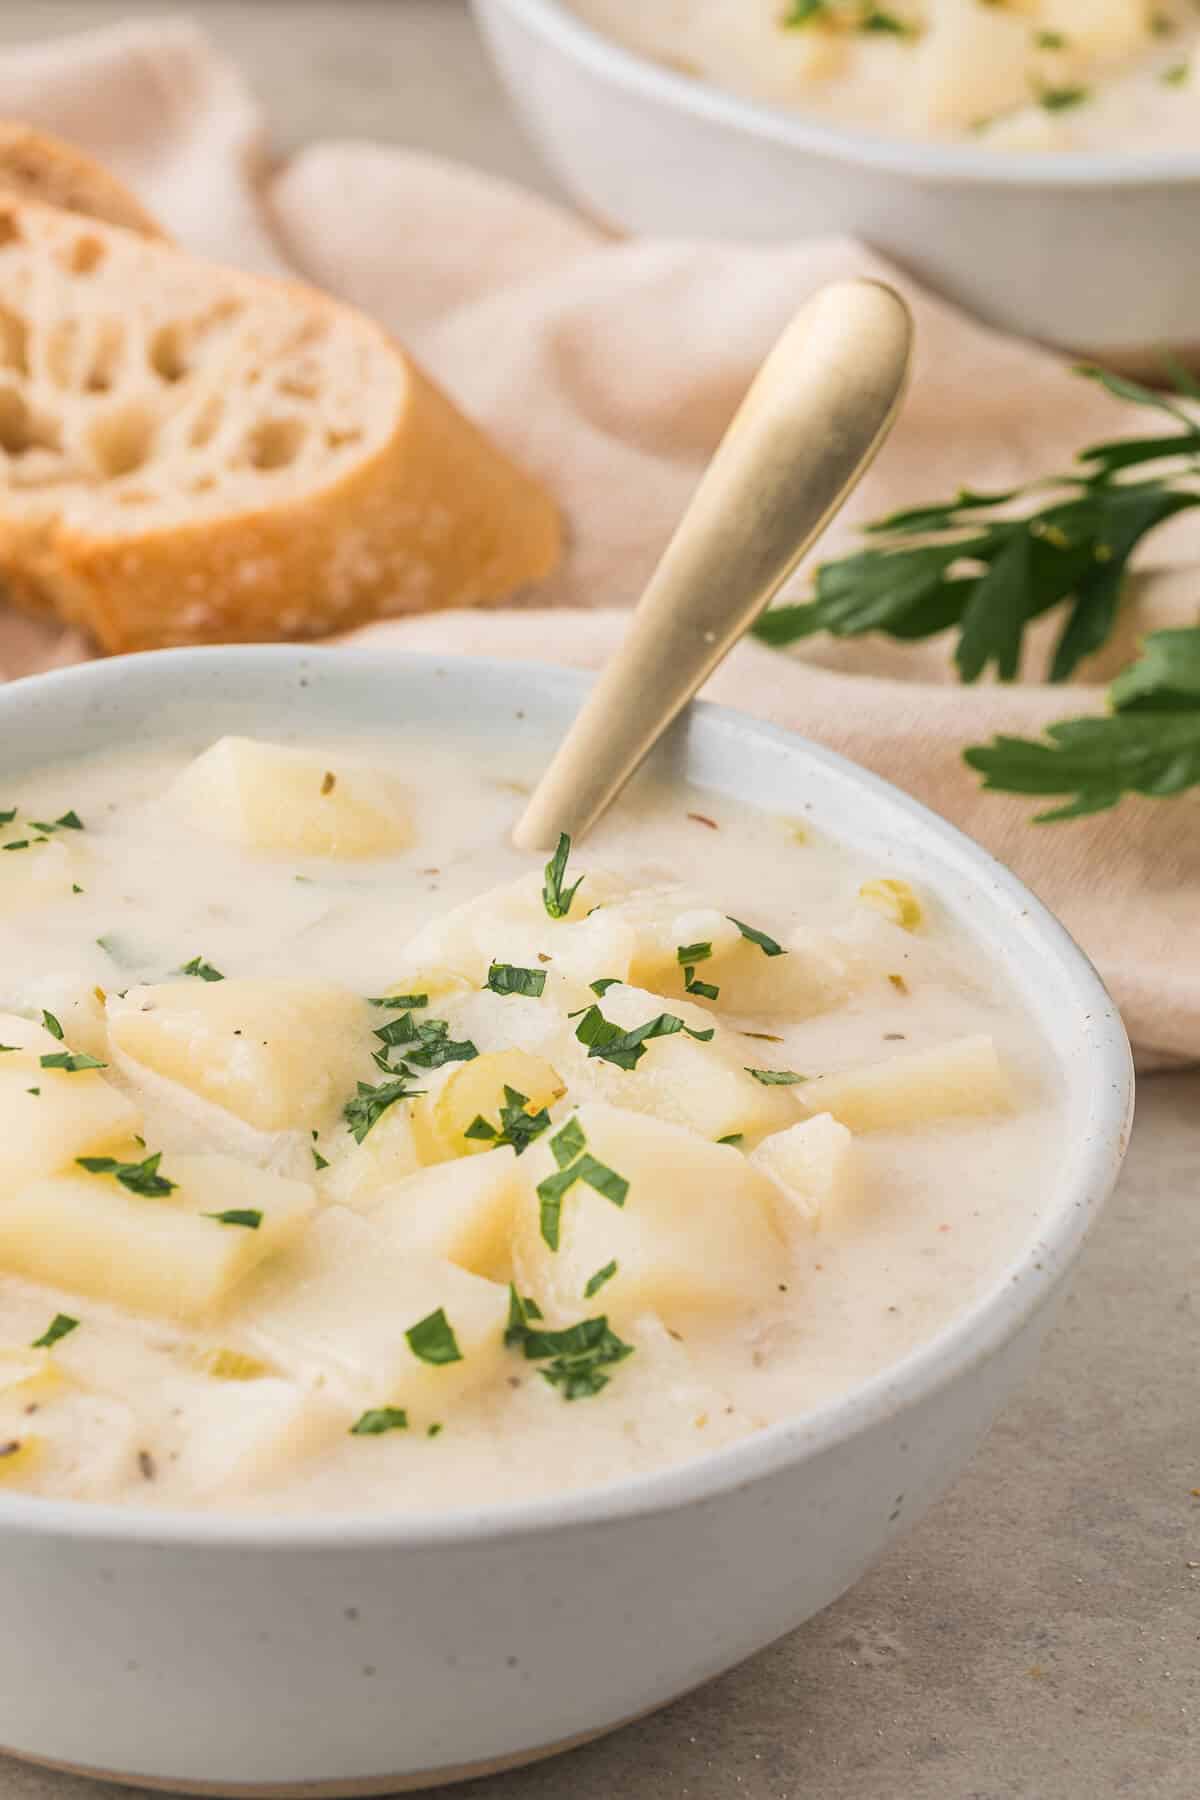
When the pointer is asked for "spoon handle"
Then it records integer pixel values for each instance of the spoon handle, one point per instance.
(818, 410)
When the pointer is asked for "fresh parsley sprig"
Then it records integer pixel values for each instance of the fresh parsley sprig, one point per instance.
(967, 565)
(1148, 744)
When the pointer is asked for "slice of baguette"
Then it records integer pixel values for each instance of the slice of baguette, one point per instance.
(36, 166)
(193, 455)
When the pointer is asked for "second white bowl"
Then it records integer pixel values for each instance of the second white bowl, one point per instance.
(1096, 253)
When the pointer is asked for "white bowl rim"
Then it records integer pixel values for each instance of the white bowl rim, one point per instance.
(974, 1334)
(947, 162)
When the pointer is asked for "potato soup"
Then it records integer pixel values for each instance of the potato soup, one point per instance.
(352, 1160)
(1014, 74)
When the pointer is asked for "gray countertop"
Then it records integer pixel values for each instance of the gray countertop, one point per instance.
(1037, 1637)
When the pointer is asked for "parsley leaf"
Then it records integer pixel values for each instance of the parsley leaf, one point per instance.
(60, 1326)
(957, 564)
(379, 1420)
(401, 1002)
(248, 1217)
(1149, 744)
(688, 955)
(433, 1339)
(555, 897)
(52, 1026)
(575, 1163)
(139, 1178)
(605, 982)
(506, 978)
(597, 1281)
(7, 815)
(370, 1103)
(576, 1357)
(626, 1048)
(436, 1047)
(204, 971)
(518, 1126)
(72, 1061)
(776, 1077)
(766, 944)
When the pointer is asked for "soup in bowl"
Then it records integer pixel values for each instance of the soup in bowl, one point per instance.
(421, 1257)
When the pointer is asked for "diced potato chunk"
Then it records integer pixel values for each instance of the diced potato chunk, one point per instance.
(69, 1115)
(279, 1054)
(338, 1310)
(916, 1088)
(27, 1375)
(461, 1211)
(1109, 29)
(89, 1234)
(23, 1041)
(359, 1173)
(814, 1167)
(237, 1433)
(39, 873)
(510, 924)
(77, 1004)
(268, 797)
(973, 61)
(20, 1457)
(703, 1085)
(694, 1232)
(809, 977)
(476, 1090)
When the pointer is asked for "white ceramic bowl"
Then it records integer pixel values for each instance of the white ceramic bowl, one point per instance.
(1099, 253)
(366, 1654)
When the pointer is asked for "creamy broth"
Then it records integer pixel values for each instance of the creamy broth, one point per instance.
(247, 1396)
(1014, 74)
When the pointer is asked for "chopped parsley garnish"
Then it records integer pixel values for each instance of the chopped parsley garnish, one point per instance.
(72, 1061)
(776, 1077)
(518, 1126)
(8, 815)
(401, 1002)
(6, 1047)
(139, 1178)
(847, 15)
(370, 1103)
(434, 1430)
(1061, 99)
(576, 1357)
(733, 1137)
(433, 1339)
(1175, 76)
(506, 978)
(597, 1281)
(70, 821)
(379, 1420)
(248, 1217)
(52, 1026)
(1049, 40)
(16, 844)
(203, 971)
(575, 1163)
(555, 897)
(60, 1326)
(319, 1161)
(766, 944)
(626, 1048)
(433, 1044)
(520, 1311)
(688, 955)
(605, 982)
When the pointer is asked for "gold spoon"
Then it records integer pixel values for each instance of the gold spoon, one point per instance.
(817, 412)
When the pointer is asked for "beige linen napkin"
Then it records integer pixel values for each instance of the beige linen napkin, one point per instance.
(611, 370)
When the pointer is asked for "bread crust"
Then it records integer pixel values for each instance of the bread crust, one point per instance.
(36, 166)
(436, 516)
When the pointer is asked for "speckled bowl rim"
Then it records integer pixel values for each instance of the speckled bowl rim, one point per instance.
(965, 163)
(1101, 1069)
